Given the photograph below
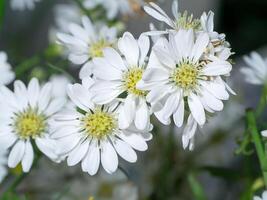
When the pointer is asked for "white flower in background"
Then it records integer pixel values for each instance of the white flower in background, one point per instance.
(3, 165)
(181, 21)
(64, 14)
(114, 7)
(87, 42)
(263, 197)
(25, 117)
(179, 76)
(92, 135)
(256, 72)
(6, 74)
(116, 75)
(23, 4)
(59, 85)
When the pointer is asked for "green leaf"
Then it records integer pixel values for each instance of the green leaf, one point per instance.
(196, 187)
(12, 196)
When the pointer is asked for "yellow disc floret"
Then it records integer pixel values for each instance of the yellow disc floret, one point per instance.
(131, 78)
(185, 75)
(187, 22)
(30, 124)
(96, 49)
(99, 124)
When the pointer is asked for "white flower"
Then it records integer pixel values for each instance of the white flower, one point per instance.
(87, 42)
(90, 134)
(6, 74)
(3, 163)
(181, 20)
(116, 75)
(263, 197)
(264, 133)
(256, 72)
(114, 7)
(23, 4)
(217, 46)
(179, 75)
(59, 85)
(25, 117)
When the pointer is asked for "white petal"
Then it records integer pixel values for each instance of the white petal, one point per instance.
(16, 154)
(109, 158)
(136, 141)
(178, 116)
(142, 115)
(114, 58)
(78, 153)
(264, 133)
(33, 92)
(28, 157)
(155, 74)
(217, 68)
(124, 150)
(196, 109)
(55, 105)
(45, 96)
(91, 162)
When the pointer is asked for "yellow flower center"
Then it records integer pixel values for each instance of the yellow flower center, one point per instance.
(187, 22)
(96, 49)
(30, 124)
(99, 124)
(185, 75)
(131, 78)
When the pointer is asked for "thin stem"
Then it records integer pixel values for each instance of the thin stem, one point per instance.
(263, 101)
(21, 177)
(62, 71)
(252, 126)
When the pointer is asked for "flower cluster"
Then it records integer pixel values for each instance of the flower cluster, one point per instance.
(181, 76)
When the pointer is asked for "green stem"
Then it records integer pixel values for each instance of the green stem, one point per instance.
(21, 177)
(263, 101)
(252, 126)
(72, 79)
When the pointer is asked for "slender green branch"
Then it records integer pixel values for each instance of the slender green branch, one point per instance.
(263, 101)
(252, 126)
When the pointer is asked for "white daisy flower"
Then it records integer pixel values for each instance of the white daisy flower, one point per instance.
(25, 118)
(116, 75)
(87, 42)
(179, 76)
(264, 133)
(256, 72)
(114, 7)
(3, 165)
(6, 74)
(91, 134)
(263, 197)
(181, 20)
(23, 4)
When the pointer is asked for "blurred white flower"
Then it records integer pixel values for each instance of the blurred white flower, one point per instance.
(87, 42)
(180, 75)
(263, 197)
(92, 135)
(6, 73)
(59, 85)
(116, 75)
(3, 163)
(114, 7)
(23, 4)
(256, 72)
(25, 117)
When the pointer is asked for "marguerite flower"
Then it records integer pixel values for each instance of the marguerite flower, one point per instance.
(6, 74)
(179, 76)
(263, 197)
(3, 165)
(256, 72)
(181, 20)
(23, 4)
(91, 133)
(87, 42)
(25, 118)
(116, 75)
